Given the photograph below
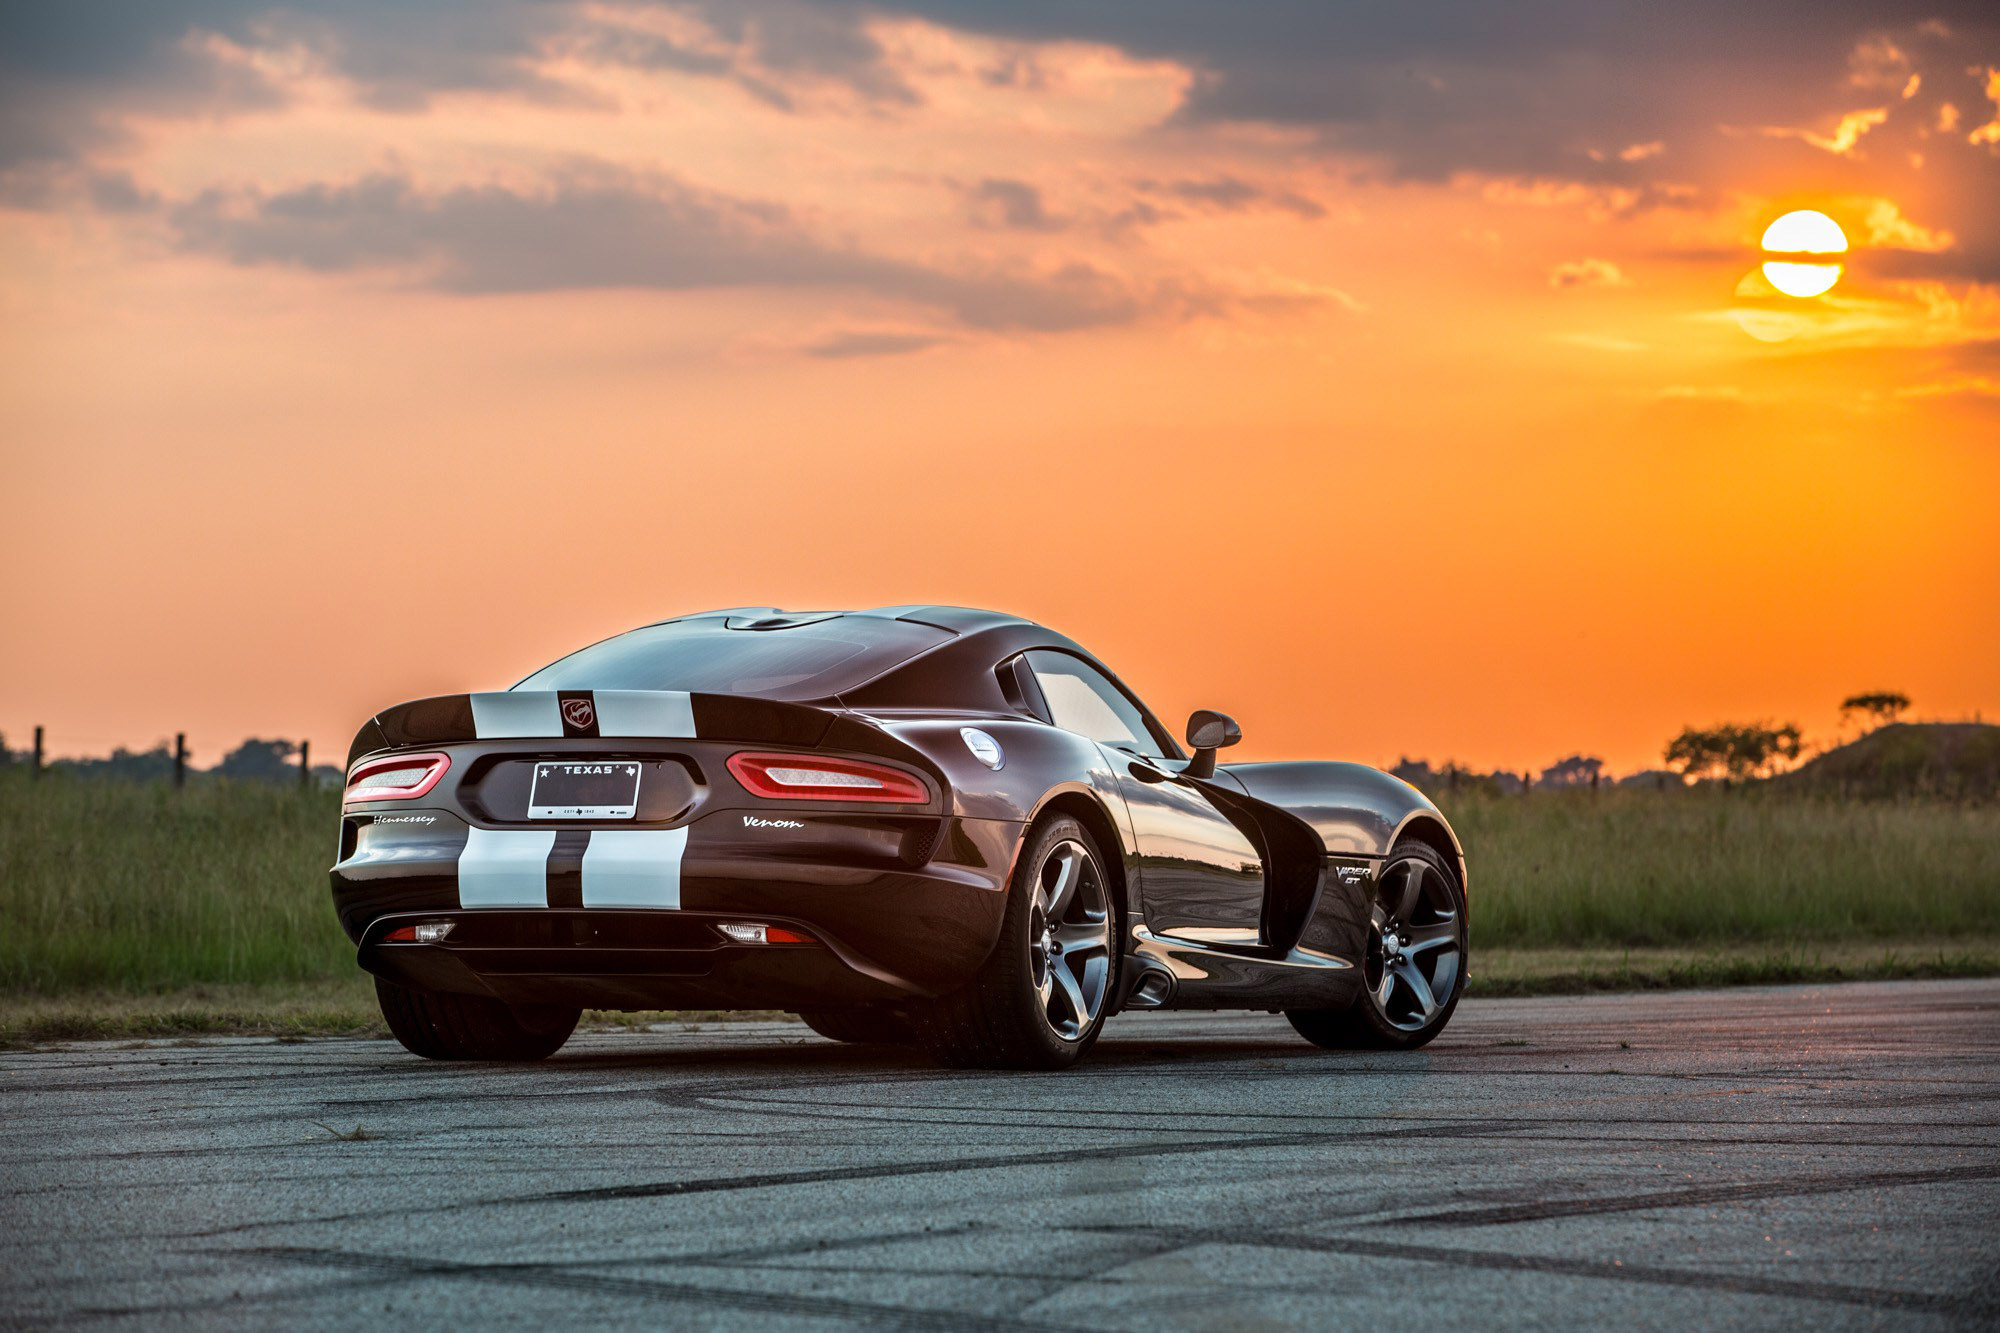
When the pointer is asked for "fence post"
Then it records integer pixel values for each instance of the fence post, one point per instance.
(180, 758)
(38, 752)
(305, 763)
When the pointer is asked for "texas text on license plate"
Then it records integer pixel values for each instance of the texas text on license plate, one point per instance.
(571, 790)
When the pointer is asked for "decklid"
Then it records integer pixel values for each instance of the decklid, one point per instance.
(589, 714)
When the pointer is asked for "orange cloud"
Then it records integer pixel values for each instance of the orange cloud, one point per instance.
(1588, 273)
(1990, 131)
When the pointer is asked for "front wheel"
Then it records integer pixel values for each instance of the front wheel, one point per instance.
(1414, 968)
(1041, 996)
(442, 1026)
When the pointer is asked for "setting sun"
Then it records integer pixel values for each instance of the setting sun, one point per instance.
(1803, 232)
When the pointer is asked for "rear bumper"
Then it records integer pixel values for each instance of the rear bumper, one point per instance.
(885, 929)
(625, 960)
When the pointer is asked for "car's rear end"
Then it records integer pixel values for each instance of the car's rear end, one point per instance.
(655, 848)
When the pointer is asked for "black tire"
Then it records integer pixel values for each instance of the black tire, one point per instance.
(1008, 1017)
(1412, 872)
(863, 1027)
(442, 1026)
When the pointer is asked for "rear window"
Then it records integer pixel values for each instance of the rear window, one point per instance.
(801, 661)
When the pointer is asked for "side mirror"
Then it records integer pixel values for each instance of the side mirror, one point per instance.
(1207, 732)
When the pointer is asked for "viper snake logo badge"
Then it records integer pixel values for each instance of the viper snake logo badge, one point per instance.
(578, 712)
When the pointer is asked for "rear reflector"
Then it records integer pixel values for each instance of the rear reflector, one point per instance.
(799, 777)
(402, 777)
(430, 932)
(751, 932)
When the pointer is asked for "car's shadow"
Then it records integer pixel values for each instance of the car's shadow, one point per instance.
(810, 1056)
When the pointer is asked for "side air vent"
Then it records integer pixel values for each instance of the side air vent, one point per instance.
(919, 843)
(1017, 687)
(1010, 687)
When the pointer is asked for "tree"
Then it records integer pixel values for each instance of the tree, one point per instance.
(1756, 751)
(269, 761)
(1882, 705)
(1738, 752)
(1696, 754)
(1417, 772)
(1576, 771)
(137, 765)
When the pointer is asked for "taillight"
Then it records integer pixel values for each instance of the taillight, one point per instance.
(402, 777)
(802, 777)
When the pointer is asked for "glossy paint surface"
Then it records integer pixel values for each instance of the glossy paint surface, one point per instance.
(1202, 878)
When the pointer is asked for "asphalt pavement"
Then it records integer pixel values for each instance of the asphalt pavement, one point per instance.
(1770, 1157)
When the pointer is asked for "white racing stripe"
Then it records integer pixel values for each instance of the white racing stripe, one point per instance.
(667, 713)
(633, 867)
(508, 867)
(504, 713)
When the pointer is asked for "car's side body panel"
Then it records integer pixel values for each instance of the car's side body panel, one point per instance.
(1321, 830)
(1357, 811)
(1203, 870)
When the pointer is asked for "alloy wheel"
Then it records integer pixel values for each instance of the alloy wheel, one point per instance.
(1069, 939)
(1416, 945)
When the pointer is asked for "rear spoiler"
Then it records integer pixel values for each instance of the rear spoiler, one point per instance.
(588, 714)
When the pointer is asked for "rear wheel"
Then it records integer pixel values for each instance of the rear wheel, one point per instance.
(442, 1026)
(863, 1027)
(1414, 968)
(1041, 996)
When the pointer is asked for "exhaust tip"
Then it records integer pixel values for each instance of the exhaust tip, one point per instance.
(1150, 989)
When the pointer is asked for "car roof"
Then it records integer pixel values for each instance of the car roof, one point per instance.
(957, 619)
(956, 673)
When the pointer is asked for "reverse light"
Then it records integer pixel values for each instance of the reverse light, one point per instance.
(402, 777)
(797, 777)
(428, 932)
(755, 932)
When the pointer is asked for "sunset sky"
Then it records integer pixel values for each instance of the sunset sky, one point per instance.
(1394, 378)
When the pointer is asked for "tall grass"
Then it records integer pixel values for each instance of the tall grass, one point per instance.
(128, 886)
(1638, 868)
(138, 886)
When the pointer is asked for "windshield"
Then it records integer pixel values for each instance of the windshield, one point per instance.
(811, 660)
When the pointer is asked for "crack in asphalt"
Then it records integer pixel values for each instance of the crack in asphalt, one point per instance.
(1694, 1197)
(436, 1150)
(884, 1171)
(1605, 1269)
(567, 1277)
(1140, 1243)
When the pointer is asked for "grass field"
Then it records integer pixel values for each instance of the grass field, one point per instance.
(132, 909)
(139, 886)
(1647, 868)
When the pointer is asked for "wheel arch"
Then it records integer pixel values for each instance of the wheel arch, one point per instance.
(1086, 810)
(1431, 830)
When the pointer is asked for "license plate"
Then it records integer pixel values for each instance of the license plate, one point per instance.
(567, 790)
